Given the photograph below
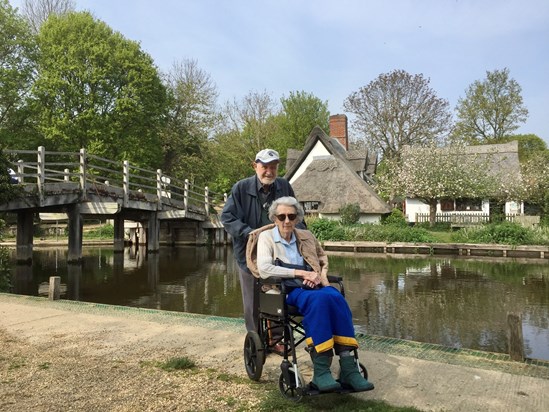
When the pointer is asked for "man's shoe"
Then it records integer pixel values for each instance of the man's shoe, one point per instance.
(278, 349)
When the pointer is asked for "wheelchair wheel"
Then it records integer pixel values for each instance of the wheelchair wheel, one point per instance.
(289, 389)
(254, 355)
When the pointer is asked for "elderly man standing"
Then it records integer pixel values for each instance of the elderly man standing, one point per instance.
(247, 209)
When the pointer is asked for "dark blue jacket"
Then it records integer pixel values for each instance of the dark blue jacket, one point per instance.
(242, 212)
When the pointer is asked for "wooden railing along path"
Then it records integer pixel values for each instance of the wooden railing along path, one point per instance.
(46, 173)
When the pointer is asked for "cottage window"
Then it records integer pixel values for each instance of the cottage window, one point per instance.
(468, 205)
(311, 206)
(447, 205)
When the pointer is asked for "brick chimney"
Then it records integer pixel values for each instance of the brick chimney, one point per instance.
(338, 129)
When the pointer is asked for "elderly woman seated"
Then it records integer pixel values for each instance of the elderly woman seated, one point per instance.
(327, 318)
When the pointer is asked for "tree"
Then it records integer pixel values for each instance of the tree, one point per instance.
(8, 191)
(301, 112)
(191, 119)
(37, 11)
(529, 144)
(398, 109)
(252, 118)
(432, 174)
(535, 182)
(17, 53)
(97, 90)
(491, 110)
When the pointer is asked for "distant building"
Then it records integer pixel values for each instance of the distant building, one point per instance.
(501, 159)
(326, 176)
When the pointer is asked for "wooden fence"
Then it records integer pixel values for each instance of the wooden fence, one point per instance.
(472, 219)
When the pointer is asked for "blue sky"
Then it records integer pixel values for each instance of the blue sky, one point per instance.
(332, 48)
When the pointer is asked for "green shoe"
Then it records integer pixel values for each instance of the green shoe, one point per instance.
(322, 376)
(351, 376)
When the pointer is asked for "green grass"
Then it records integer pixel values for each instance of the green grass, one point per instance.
(181, 363)
(274, 401)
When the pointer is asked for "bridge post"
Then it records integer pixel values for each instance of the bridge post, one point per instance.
(24, 241)
(126, 182)
(20, 171)
(153, 233)
(83, 179)
(118, 233)
(159, 187)
(75, 226)
(41, 172)
(186, 195)
(207, 200)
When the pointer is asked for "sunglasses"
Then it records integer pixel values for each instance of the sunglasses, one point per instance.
(283, 217)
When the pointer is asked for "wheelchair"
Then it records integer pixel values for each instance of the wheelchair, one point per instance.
(276, 316)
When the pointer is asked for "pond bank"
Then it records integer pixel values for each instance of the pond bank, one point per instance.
(441, 249)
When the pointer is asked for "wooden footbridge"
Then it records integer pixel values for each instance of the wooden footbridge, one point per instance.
(84, 186)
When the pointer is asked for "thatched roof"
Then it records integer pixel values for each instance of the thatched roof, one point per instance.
(334, 184)
(501, 158)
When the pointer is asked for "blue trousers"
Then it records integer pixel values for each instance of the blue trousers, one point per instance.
(327, 318)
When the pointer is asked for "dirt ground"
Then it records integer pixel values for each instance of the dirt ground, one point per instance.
(67, 356)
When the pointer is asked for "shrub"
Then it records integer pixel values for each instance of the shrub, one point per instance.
(395, 218)
(350, 213)
(325, 229)
(505, 233)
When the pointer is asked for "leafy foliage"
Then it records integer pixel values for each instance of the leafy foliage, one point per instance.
(97, 90)
(5, 281)
(350, 213)
(325, 229)
(301, 112)
(492, 109)
(504, 233)
(17, 54)
(395, 218)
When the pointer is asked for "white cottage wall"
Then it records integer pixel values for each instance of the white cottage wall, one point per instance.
(317, 151)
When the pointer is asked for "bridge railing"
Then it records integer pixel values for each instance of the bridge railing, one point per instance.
(106, 177)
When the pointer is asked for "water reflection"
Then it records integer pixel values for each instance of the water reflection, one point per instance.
(453, 302)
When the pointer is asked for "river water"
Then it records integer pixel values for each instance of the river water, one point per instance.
(456, 302)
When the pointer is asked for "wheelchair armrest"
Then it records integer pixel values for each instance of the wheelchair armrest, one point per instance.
(334, 279)
(270, 281)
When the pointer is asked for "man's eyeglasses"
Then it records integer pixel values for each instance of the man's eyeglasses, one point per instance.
(283, 217)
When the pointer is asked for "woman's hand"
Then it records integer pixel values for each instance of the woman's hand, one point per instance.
(310, 279)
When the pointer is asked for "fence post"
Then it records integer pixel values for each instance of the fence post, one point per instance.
(516, 344)
(126, 182)
(83, 184)
(186, 195)
(66, 176)
(41, 171)
(207, 200)
(54, 291)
